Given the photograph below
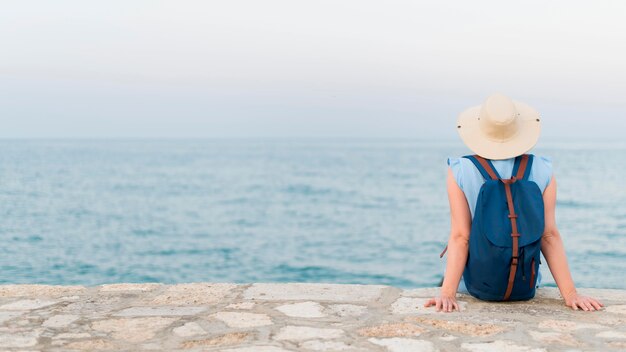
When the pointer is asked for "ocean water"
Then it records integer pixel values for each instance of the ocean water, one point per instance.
(264, 210)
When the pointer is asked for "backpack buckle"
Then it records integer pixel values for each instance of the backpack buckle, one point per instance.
(512, 216)
(515, 235)
(514, 261)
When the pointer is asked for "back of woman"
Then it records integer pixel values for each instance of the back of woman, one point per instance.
(507, 209)
(470, 180)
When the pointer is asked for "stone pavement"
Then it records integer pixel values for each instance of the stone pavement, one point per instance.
(275, 317)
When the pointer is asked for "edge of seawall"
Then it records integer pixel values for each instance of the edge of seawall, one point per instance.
(278, 317)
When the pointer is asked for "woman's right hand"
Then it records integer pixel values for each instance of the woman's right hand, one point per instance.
(445, 303)
(574, 300)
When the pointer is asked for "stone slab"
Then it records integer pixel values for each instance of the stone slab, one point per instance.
(463, 326)
(130, 287)
(299, 333)
(6, 316)
(18, 340)
(60, 320)
(314, 292)
(193, 294)
(609, 295)
(611, 334)
(412, 305)
(160, 311)
(326, 345)
(189, 329)
(499, 346)
(616, 309)
(392, 330)
(241, 305)
(226, 339)
(133, 329)
(243, 319)
(257, 348)
(427, 292)
(91, 345)
(402, 344)
(36, 290)
(346, 310)
(71, 335)
(306, 309)
(28, 304)
(296, 317)
(554, 337)
(567, 325)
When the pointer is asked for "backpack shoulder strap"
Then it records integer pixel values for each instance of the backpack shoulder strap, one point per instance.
(521, 168)
(484, 166)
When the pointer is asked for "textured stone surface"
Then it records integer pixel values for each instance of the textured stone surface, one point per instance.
(315, 292)
(159, 311)
(447, 337)
(606, 294)
(392, 330)
(231, 338)
(133, 329)
(35, 290)
(295, 317)
(71, 335)
(612, 335)
(553, 337)
(617, 345)
(189, 329)
(412, 305)
(464, 327)
(27, 304)
(567, 325)
(302, 309)
(130, 287)
(257, 348)
(9, 340)
(326, 345)
(297, 333)
(243, 319)
(499, 346)
(427, 292)
(241, 305)
(401, 344)
(617, 309)
(90, 345)
(194, 294)
(60, 320)
(5, 316)
(346, 310)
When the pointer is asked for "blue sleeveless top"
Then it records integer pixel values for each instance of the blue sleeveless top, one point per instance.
(470, 180)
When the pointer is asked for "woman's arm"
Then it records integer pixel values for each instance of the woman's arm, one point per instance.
(457, 247)
(554, 252)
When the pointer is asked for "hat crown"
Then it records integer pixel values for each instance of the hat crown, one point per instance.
(498, 118)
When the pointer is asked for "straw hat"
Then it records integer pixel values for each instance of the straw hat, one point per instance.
(500, 128)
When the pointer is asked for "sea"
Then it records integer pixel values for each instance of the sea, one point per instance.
(334, 210)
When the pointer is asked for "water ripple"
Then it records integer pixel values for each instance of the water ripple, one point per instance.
(352, 211)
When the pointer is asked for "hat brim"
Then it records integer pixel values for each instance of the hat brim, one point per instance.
(479, 143)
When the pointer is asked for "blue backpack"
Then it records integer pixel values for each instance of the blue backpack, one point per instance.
(505, 237)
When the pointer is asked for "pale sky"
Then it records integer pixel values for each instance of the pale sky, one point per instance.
(341, 68)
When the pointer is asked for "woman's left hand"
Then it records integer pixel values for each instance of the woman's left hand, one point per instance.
(585, 303)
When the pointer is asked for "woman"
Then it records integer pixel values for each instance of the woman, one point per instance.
(499, 130)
